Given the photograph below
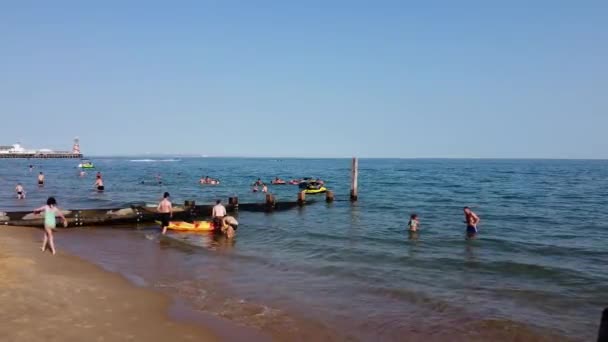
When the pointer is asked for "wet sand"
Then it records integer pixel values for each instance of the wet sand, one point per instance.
(63, 298)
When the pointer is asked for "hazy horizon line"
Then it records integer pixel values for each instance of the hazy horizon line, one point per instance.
(171, 155)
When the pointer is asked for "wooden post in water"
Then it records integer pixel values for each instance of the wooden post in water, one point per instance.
(329, 196)
(602, 336)
(270, 200)
(301, 197)
(234, 201)
(354, 193)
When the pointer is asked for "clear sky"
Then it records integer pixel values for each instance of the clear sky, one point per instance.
(307, 78)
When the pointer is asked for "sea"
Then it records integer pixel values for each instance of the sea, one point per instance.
(346, 271)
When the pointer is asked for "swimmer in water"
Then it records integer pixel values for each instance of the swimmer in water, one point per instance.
(264, 188)
(413, 223)
(258, 182)
(82, 173)
(20, 191)
(99, 184)
(472, 220)
(51, 211)
(165, 209)
(31, 168)
(41, 179)
(255, 188)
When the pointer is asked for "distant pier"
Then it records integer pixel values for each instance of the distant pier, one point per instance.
(41, 155)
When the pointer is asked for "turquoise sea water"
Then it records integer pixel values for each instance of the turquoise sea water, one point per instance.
(350, 271)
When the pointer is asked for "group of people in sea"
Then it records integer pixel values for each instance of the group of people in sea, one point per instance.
(209, 181)
(222, 222)
(471, 219)
(278, 181)
(41, 179)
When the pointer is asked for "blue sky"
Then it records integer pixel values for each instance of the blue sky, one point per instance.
(307, 78)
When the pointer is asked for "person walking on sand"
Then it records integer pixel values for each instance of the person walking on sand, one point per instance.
(217, 214)
(51, 211)
(20, 191)
(99, 184)
(472, 220)
(41, 179)
(165, 209)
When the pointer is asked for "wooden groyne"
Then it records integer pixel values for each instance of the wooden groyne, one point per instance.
(140, 214)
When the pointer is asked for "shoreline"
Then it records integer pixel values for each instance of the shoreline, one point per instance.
(65, 298)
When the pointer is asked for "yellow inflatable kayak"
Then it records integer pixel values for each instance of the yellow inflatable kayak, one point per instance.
(196, 226)
(315, 191)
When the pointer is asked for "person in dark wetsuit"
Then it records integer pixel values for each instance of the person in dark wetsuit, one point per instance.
(472, 220)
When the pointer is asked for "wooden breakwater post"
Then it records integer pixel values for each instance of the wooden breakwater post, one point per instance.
(301, 197)
(329, 196)
(190, 207)
(234, 202)
(354, 191)
(602, 336)
(270, 201)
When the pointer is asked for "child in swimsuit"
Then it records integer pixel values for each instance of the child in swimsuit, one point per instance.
(51, 211)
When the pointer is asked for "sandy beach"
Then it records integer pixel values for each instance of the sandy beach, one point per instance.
(63, 298)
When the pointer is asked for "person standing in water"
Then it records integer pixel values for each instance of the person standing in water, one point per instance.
(51, 211)
(165, 209)
(472, 220)
(31, 168)
(99, 184)
(20, 191)
(264, 188)
(413, 223)
(229, 226)
(217, 214)
(41, 179)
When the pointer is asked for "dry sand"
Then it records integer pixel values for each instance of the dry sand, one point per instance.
(63, 298)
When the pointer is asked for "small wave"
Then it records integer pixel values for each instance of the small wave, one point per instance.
(153, 160)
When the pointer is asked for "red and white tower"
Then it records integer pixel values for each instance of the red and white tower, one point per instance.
(76, 147)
